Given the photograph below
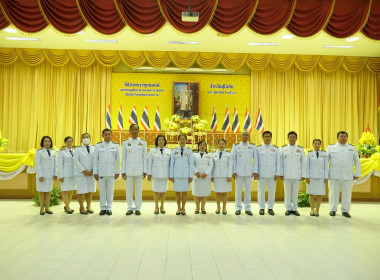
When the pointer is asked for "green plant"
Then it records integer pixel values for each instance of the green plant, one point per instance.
(54, 197)
(303, 199)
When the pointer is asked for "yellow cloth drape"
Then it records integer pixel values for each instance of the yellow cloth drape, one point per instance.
(12, 162)
(55, 101)
(315, 104)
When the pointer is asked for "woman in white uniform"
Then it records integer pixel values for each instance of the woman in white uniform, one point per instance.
(181, 172)
(66, 173)
(203, 164)
(317, 174)
(46, 172)
(158, 171)
(86, 184)
(221, 175)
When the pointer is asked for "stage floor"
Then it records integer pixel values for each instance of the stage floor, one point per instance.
(62, 246)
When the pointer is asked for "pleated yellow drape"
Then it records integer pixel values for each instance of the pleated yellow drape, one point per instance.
(315, 104)
(55, 101)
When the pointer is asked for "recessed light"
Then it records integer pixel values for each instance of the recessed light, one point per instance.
(80, 32)
(263, 44)
(101, 41)
(339, 47)
(10, 30)
(352, 39)
(288, 36)
(22, 39)
(184, 42)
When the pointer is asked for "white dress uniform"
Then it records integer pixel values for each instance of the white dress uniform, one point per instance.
(158, 167)
(342, 159)
(293, 169)
(317, 170)
(203, 163)
(243, 155)
(181, 168)
(106, 165)
(134, 164)
(46, 167)
(267, 165)
(84, 160)
(66, 169)
(223, 168)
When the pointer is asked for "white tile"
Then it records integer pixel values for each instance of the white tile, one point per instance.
(205, 274)
(151, 274)
(40, 274)
(64, 274)
(95, 274)
(262, 274)
(117, 274)
(14, 274)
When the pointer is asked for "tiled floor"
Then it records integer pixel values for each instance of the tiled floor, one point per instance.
(208, 246)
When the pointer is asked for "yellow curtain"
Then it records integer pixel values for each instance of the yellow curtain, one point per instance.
(315, 104)
(56, 101)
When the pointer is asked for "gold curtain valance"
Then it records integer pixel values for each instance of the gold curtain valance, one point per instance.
(233, 61)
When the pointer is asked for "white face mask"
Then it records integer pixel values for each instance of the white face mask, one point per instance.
(86, 141)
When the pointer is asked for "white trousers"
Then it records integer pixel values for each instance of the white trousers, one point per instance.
(136, 205)
(291, 187)
(263, 182)
(247, 192)
(106, 186)
(334, 189)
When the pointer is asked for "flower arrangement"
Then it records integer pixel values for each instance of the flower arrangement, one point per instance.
(175, 118)
(204, 122)
(3, 143)
(367, 144)
(199, 126)
(195, 118)
(167, 121)
(186, 130)
(173, 125)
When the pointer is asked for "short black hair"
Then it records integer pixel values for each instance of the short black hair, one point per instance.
(267, 132)
(105, 130)
(182, 134)
(221, 139)
(292, 132)
(85, 134)
(43, 139)
(341, 132)
(316, 139)
(200, 142)
(158, 136)
(134, 124)
(68, 137)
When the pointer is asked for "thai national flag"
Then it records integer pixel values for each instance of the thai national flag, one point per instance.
(260, 122)
(157, 122)
(108, 117)
(226, 122)
(145, 119)
(133, 117)
(120, 126)
(235, 122)
(214, 124)
(247, 122)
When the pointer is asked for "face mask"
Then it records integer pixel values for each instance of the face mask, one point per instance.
(86, 141)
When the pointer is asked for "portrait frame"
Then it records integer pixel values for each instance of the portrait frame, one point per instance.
(186, 101)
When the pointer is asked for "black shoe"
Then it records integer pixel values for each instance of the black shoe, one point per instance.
(196, 212)
(287, 212)
(163, 211)
(156, 212)
(316, 214)
(85, 212)
(183, 213)
(224, 212)
(109, 212)
(249, 212)
(129, 212)
(49, 212)
(137, 212)
(271, 212)
(237, 212)
(178, 213)
(332, 213)
(42, 213)
(312, 214)
(203, 211)
(296, 213)
(346, 214)
(217, 211)
(102, 212)
(261, 212)
(90, 211)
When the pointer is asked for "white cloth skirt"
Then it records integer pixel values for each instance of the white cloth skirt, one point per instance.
(222, 185)
(201, 187)
(160, 185)
(85, 184)
(316, 187)
(44, 186)
(181, 184)
(69, 184)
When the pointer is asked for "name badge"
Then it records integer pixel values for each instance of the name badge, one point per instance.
(140, 144)
(298, 151)
(272, 150)
(322, 156)
(186, 154)
(129, 144)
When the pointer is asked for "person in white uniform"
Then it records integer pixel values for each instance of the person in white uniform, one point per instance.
(67, 173)
(158, 172)
(221, 175)
(106, 170)
(243, 154)
(86, 184)
(203, 165)
(134, 166)
(317, 174)
(292, 171)
(342, 157)
(267, 171)
(181, 172)
(46, 172)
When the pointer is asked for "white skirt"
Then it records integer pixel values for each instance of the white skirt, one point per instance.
(222, 185)
(69, 184)
(44, 186)
(316, 187)
(160, 185)
(85, 184)
(201, 187)
(181, 184)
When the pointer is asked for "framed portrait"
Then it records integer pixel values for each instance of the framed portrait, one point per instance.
(186, 99)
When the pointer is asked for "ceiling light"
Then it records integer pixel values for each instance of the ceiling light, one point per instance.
(352, 39)
(263, 44)
(10, 30)
(175, 69)
(22, 39)
(339, 47)
(80, 32)
(101, 41)
(184, 42)
(288, 36)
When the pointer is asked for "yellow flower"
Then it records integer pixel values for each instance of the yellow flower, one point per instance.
(375, 156)
(173, 125)
(186, 130)
(377, 148)
(167, 121)
(1, 136)
(361, 142)
(195, 118)
(204, 122)
(1, 149)
(175, 118)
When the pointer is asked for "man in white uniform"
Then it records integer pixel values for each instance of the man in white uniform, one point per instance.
(342, 157)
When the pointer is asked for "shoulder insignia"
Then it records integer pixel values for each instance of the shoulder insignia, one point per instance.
(309, 151)
(322, 150)
(275, 146)
(300, 146)
(143, 139)
(351, 144)
(284, 145)
(99, 142)
(115, 143)
(331, 144)
(62, 149)
(237, 143)
(252, 144)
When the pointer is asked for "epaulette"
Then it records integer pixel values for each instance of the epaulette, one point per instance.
(99, 142)
(309, 151)
(300, 146)
(143, 139)
(252, 144)
(331, 144)
(236, 143)
(275, 146)
(350, 144)
(115, 143)
(62, 149)
(284, 145)
(323, 150)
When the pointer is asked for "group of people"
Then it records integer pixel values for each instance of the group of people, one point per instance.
(80, 169)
